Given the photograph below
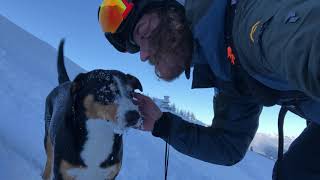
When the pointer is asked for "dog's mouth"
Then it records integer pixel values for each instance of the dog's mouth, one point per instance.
(132, 118)
(128, 115)
(120, 129)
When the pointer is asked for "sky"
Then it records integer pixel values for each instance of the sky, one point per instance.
(77, 22)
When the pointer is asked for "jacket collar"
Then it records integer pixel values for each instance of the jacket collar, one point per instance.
(207, 24)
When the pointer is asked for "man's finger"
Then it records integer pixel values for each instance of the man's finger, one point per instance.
(135, 101)
(138, 102)
(145, 119)
(145, 109)
(137, 95)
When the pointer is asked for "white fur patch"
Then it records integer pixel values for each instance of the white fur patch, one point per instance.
(90, 173)
(124, 105)
(96, 149)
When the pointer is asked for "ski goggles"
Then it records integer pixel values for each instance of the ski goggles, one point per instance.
(112, 13)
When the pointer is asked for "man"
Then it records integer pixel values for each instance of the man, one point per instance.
(254, 52)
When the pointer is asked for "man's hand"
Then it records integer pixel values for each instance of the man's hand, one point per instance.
(148, 109)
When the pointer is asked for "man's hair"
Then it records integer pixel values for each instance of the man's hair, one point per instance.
(173, 38)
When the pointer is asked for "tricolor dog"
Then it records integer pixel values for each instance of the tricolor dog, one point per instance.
(84, 121)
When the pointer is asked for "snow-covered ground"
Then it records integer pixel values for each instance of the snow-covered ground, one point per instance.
(28, 73)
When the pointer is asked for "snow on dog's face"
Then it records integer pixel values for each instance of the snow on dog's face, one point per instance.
(107, 95)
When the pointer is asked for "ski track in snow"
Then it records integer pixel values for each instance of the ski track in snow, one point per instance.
(23, 154)
(2, 56)
(13, 159)
(2, 53)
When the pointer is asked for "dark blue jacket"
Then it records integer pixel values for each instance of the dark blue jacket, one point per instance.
(243, 90)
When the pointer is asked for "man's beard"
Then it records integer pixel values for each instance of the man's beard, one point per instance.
(173, 75)
(174, 67)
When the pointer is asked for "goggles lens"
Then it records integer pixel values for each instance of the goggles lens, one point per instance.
(112, 13)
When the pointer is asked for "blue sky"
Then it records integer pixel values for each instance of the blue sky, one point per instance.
(85, 45)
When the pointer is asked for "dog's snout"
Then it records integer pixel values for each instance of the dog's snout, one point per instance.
(132, 118)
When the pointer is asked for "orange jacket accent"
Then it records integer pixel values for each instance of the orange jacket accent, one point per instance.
(231, 56)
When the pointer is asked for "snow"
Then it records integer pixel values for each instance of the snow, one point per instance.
(28, 74)
(267, 144)
(147, 162)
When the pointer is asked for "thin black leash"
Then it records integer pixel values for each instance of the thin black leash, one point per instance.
(166, 160)
(282, 114)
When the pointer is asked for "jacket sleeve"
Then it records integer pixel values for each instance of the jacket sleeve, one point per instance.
(225, 142)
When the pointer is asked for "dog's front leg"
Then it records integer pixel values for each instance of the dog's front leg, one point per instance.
(47, 174)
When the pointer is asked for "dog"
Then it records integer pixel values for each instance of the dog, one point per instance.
(84, 122)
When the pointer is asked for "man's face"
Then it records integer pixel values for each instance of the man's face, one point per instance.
(142, 33)
(162, 46)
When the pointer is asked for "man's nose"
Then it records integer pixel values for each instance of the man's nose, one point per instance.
(144, 55)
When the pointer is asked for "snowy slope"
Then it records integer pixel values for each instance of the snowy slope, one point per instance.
(28, 73)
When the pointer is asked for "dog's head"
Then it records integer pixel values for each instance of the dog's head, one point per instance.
(107, 95)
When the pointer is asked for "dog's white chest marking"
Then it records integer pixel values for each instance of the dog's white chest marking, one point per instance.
(96, 149)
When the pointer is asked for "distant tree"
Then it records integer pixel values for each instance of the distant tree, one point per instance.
(180, 112)
(184, 113)
(189, 115)
(173, 108)
(177, 111)
(193, 117)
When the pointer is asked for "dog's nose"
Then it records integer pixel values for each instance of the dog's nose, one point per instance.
(132, 118)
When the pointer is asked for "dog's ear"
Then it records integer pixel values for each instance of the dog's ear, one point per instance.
(78, 83)
(133, 82)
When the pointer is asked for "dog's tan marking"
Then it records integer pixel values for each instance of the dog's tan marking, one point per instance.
(49, 152)
(96, 110)
(64, 167)
(114, 172)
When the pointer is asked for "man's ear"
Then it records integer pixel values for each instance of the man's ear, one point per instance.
(78, 83)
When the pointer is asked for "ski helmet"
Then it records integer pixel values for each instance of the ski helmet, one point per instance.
(119, 17)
